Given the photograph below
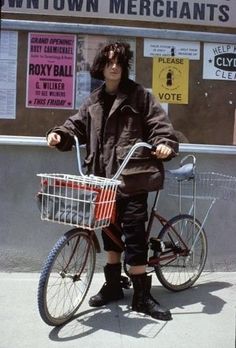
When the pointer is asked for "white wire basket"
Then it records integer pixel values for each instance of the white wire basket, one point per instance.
(209, 185)
(85, 201)
(82, 201)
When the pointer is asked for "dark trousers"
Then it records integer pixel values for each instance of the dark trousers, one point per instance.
(130, 228)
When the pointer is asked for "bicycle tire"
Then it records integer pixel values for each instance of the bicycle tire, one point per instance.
(66, 277)
(182, 271)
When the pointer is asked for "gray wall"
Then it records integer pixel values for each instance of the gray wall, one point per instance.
(25, 240)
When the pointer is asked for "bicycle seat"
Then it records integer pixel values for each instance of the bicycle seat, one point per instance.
(186, 172)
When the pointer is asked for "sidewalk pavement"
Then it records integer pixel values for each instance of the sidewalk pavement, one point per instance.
(203, 317)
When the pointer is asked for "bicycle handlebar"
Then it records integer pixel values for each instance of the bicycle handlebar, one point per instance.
(78, 156)
(123, 164)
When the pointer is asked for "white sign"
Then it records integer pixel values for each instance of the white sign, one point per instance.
(208, 12)
(164, 48)
(219, 62)
(8, 68)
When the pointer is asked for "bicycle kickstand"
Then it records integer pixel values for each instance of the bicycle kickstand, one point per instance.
(125, 282)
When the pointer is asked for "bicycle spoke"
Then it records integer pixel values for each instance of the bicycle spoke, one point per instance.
(183, 264)
(66, 278)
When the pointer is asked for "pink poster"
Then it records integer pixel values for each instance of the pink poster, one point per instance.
(51, 71)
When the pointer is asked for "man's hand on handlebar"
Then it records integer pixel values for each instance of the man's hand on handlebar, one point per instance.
(53, 139)
(162, 151)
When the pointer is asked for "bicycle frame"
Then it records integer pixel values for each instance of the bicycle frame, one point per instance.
(163, 221)
(180, 177)
(152, 261)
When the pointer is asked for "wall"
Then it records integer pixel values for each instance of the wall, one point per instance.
(25, 240)
(199, 121)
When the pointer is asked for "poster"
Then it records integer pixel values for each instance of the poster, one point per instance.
(8, 70)
(170, 79)
(174, 48)
(219, 62)
(87, 48)
(51, 71)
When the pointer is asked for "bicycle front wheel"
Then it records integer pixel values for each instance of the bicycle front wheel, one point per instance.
(184, 253)
(66, 277)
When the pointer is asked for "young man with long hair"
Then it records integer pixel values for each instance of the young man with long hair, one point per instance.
(111, 120)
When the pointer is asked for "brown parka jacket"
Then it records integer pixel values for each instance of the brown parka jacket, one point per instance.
(134, 117)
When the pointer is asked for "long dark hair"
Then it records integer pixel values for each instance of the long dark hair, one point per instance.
(120, 51)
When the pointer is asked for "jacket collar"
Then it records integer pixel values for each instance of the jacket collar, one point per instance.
(96, 110)
(96, 95)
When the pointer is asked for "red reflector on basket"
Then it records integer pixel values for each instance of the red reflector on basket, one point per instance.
(105, 202)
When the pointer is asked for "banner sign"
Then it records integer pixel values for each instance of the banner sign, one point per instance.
(170, 79)
(199, 12)
(174, 48)
(219, 61)
(51, 71)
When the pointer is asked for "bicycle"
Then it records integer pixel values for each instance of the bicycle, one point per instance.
(178, 252)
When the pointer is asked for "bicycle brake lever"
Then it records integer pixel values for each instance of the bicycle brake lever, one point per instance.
(153, 148)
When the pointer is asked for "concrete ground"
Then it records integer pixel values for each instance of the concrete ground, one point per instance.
(203, 317)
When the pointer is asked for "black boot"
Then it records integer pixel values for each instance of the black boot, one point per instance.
(143, 301)
(112, 289)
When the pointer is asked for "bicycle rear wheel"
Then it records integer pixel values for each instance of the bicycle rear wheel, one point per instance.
(184, 255)
(66, 276)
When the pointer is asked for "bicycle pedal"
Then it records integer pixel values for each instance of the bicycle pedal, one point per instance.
(157, 244)
(125, 282)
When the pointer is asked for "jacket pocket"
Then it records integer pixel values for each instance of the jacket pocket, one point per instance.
(129, 108)
(130, 122)
(141, 174)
